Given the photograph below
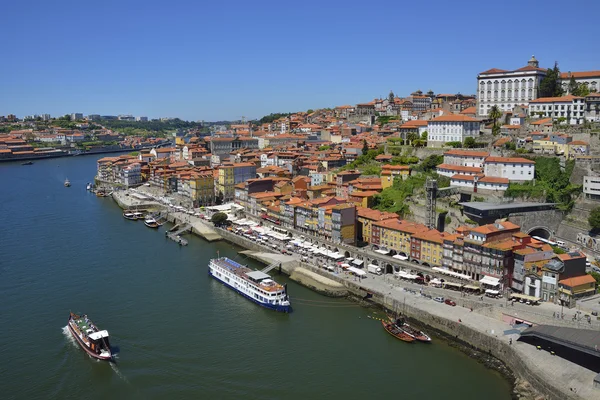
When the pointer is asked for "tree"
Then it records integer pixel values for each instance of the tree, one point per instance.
(424, 136)
(550, 85)
(391, 97)
(594, 218)
(365, 148)
(581, 90)
(572, 88)
(469, 142)
(310, 111)
(411, 137)
(218, 218)
(325, 147)
(494, 114)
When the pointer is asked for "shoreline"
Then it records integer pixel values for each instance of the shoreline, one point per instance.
(517, 363)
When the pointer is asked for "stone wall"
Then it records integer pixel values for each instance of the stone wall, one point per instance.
(550, 219)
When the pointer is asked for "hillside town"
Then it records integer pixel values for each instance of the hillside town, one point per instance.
(332, 173)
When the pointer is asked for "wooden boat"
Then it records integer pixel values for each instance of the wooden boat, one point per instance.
(396, 332)
(130, 215)
(415, 333)
(28, 163)
(92, 341)
(100, 194)
(150, 222)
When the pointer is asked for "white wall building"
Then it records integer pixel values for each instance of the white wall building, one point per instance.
(589, 78)
(131, 174)
(507, 89)
(513, 169)
(591, 187)
(570, 107)
(465, 158)
(451, 128)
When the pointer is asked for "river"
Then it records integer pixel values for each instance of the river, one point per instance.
(178, 333)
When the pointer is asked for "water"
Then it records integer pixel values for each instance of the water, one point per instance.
(178, 333)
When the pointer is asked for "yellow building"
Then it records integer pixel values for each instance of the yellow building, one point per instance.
(202, 187)
(226, 182)
(395, 235)
(427, 246)
(574, 288)
(366, 217)
(390, 172)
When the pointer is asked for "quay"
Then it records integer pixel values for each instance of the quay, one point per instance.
(175, 232)
(491, 327)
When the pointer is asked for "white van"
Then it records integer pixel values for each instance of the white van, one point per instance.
(560, 243)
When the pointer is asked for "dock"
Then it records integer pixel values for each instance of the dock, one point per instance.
(175, 232)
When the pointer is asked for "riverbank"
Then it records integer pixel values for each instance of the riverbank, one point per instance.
(538, 373)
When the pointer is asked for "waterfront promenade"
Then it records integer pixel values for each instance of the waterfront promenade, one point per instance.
(479, 319)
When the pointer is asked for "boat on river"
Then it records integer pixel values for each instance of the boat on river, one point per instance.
(414, 332)
(67, 183)
(27, 163)
(396, 332)
(92, 340)
(253, 285)
(150, 222)
(130, 215)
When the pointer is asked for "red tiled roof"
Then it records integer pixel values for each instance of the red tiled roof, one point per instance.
(467, 153)
(578, 281)
(454, 118)
(458, 168)
(509, 160)
(562, 99)
(581, 74)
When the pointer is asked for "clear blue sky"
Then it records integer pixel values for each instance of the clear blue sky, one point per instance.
(226, 59)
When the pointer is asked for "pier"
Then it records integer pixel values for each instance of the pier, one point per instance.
(175, 232)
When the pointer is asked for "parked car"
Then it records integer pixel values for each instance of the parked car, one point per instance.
(450, 302)
(439, 299)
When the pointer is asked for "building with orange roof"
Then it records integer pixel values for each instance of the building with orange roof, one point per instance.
(390, 172)
(427, 247)
(362, 198)
(451, 128)
(568, 108)
(395, 235)
(511, 168)
(475, 250)
(365, 218)
(572, 289)
(508, 88)
(465, 158)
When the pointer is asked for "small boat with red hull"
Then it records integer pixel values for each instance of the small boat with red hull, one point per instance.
(414, 332)
(396, 332)
(89, 337)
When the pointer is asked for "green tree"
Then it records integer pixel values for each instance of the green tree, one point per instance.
(424, 136)
(550, 86)
(411, 137)
(581, 90)
(310, 111)
(365, 148)
(218, 218)
(572, 88)
(594, 218)
(596, 276)
(558, 250)
(495, 114)
(325, 147)
(469, 142)
(510, 146)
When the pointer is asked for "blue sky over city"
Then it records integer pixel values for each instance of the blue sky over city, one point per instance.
(224, 60)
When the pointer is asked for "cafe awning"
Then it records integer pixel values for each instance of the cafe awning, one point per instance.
(471, 287)
(457, 285)
(489, 280)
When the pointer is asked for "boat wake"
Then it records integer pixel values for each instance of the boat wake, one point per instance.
(118, 372)
(70, 338)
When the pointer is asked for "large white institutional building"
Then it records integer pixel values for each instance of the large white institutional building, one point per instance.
(508, 89)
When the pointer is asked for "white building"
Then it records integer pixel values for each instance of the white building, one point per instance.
(507, 89)
(76, 116)
(131, 175)
(141, 119)
(570, 107)
(451, 128)
(465, 158)
(513, 169)
(481, 182)
(589, 78)
(591, 187)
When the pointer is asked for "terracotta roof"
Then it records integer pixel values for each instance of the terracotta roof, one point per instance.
(367, 193)
(460, 177)
(467, 153)
(458, 168)
(578, 281)
(374, 215)
(581, 74)
(493, 71)
(563, 99)
(493, 179)
(454, 118)
(469, 110)
(542, 121)
(578, 142)
(509, 160)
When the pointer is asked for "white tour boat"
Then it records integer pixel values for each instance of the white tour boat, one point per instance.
(254, 285)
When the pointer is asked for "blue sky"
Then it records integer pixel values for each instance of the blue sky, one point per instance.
(215, 60)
